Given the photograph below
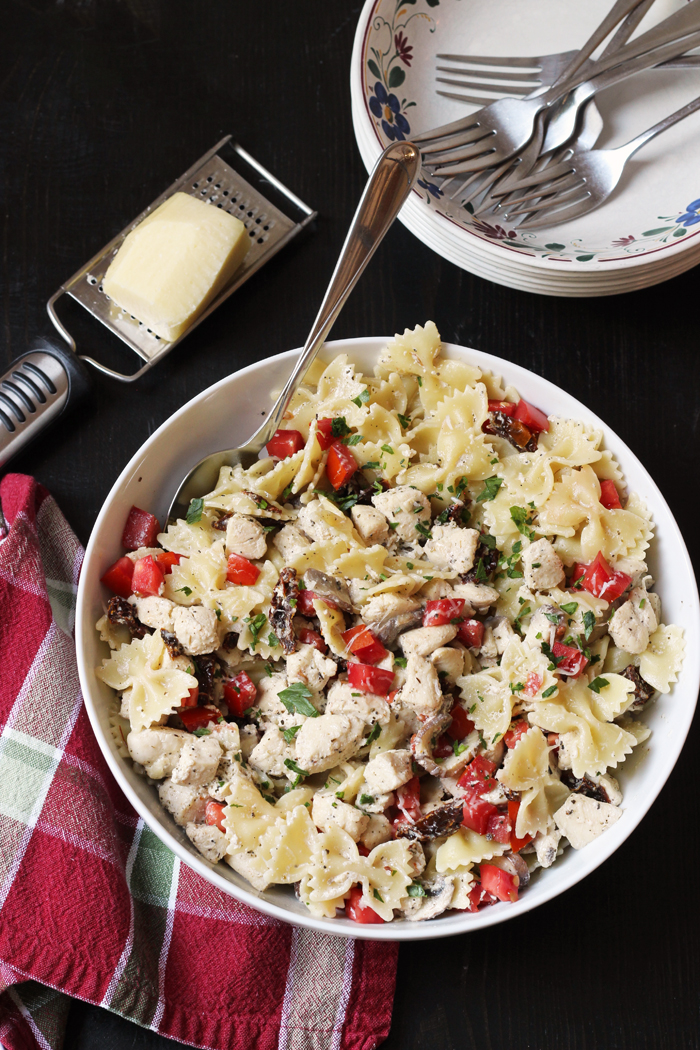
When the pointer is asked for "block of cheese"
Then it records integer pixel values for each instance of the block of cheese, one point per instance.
(175, 262)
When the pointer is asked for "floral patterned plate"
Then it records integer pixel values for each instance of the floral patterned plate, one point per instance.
(654, 215)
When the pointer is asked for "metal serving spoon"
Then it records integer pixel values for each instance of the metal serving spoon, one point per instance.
(391, 181)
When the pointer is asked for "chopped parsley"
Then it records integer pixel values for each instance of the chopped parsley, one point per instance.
(552, 617)
(458, 748)
(290, 733)
(217, 610)
(570, 608)
(187, 591)
(354, 439)
(272, 640)
(339, 427)
(424, 530)
(642, 603)
(366, 800)
(405, 421)
(546, 649)
(588, 624)
(288, 490)
(497, 737)
(194, 511)
(490, 489)
(549, 692)
(202, 732)
(375, 734)
(291, 764)
(362, 398)
(400, 661)
(415, 890)
(523, 520)
(297, 699)
(598, 683)
(256, 625)
(420, 381)
(409, 564)
(378, 895)
(388, 449)
(372, 464)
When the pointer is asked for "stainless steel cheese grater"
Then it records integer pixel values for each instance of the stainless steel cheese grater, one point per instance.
(43, 382)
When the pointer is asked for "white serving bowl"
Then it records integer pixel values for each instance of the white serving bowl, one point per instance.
(225, 415)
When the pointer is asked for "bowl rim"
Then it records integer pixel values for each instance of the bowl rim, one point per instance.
(517, 375)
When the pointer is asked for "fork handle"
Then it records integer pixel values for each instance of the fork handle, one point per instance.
(619, 11)
(634, 144)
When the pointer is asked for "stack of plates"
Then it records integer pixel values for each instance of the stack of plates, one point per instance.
(646, 232)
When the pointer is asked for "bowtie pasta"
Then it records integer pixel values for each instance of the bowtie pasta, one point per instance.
(395, 663)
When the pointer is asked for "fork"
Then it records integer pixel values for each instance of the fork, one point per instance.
(583, 180)
(499, 131)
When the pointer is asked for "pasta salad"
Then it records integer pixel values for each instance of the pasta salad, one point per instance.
(397, 662)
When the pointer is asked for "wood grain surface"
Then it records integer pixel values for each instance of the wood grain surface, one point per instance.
(102, 104)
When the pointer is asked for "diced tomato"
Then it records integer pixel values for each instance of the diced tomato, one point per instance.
(285, 443)
(571, 660)
(370, 679)
(340, 465)
(443, 748)
(192, 698)
(199, 717)
(552, 740)
(141, 530)
(241, 571)
(499, 882)
(307, 636)
(517, 730)
(392, 695)
(360, 912)
(477, 813)
(148, 577)
(499, 828)
(214, 814)
(478, 896)
(362, 850)
(577, 574)
(516, 844)
(532, 417)
(461, 724)
(408, 799)
(305, 602)
(118, 577)
(471, 632)
(479, 771)
(444, 610)
(324, 433)
(533, 684)
(362, 643)
(602, 581)
(240, 693)
(506, 407)
(166, 560)
(609, 496)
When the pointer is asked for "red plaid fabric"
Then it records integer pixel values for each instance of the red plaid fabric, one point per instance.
(92, 904)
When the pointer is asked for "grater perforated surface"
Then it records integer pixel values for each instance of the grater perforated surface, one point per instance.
(214, 181)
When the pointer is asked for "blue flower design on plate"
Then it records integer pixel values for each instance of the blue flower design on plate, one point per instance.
(691, 214)
(430, 187)
(387, 108)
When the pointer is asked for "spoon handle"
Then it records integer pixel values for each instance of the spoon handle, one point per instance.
(391, 181)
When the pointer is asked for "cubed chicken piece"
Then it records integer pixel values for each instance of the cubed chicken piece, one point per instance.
(488, 649)
(378, 830)
(636, 568)
(404, 508)
(436, 589)
(449, 662)
(374, 805)
(326, 741)
(310, 666)
(154, 612)
(290, 541)
(249, 739)
(331, 588)
(198, 761)
(327, 810)
(229, 736)
(342, 699)
(425, 640)
(197, 629)
(611, 788)
(245, 536)
(583, 819)
(543, 566)
(503, 633)
(210, 842)
(543, 626)
(185, 802)
(452, 547)
(422, 687)
(157, 750)
(269, 755)
(272, 710)
(633, 622)
(388, 771)
(387, 615)
(546, 847)
(312, 522)
(370, 524)
(479, 595)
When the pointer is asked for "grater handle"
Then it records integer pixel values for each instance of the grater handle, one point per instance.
(37, 388)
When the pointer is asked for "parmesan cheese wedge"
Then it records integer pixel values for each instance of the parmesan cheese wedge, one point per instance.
(175, 262)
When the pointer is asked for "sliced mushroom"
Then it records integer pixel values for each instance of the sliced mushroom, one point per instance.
(423, 742)
(389, 629)
(332, 587)
(282, 608)
(439, 822)
(437, 899)
(514, 863)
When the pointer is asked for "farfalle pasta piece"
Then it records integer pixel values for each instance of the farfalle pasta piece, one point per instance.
(247, 815)
(321, 555)
(336, 865)
(538, 805)
(661, 662)
(332, 623)
(571, 443)
(591, 745)
(387, 873)
(488, 699)
(183, 538)
(466, 847)
(287, 846)
(526, 763)
(153, 690)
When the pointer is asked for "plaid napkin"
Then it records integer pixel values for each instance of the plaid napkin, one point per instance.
(92, 904)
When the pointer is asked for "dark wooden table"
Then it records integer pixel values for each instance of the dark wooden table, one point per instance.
(103, 103)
